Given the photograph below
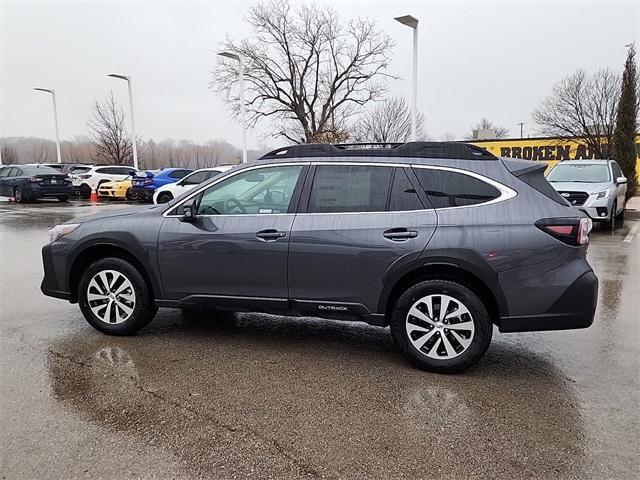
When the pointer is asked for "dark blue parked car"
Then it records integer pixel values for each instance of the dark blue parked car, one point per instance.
(142, 188)
(29, 182)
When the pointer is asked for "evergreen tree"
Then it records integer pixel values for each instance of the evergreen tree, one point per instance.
(624, 145)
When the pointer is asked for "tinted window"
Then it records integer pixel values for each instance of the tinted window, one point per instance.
(78, 170)
(349, 188)
(453, 189)
(263, 190)
(124, 170)
(15, 172)
(196, 178)
(39, 170)
(179, 174)
(214, 173)
(4, 172)
(10, 172)
(403, 195)
(104, 171)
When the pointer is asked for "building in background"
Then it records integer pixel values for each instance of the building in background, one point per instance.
(547, 149)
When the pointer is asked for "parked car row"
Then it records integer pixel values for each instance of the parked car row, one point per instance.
(62, 181)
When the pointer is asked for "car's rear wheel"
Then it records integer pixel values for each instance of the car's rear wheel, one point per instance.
(18, 195)
(114, 297)
(441, 326)
(165, 197)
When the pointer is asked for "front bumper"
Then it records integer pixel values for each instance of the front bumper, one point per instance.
(119, 193)
(575, 308)
(53, 284)
(597, 213)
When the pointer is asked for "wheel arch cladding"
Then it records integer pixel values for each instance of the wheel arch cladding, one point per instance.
(98, 251)
(443, 271)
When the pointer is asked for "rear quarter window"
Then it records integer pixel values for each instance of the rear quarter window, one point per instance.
(454, 189)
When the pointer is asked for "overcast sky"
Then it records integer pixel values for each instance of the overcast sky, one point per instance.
(476, 58)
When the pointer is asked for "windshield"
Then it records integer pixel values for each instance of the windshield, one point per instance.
(583, 173)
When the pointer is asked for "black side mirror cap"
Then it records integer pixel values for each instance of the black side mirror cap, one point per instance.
(188, 213)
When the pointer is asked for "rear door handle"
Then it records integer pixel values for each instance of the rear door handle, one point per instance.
(399, 234)
(270, 235)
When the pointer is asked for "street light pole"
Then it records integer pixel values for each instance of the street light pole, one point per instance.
(412, 22)
(521, 125)
(55, 119)
(243, 109)
(133, 122)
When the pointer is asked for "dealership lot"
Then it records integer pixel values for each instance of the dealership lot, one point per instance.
(289, 397)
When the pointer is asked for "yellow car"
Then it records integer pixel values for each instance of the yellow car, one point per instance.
(118, 189)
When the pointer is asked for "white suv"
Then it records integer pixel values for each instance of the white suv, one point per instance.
(168, 192)
(90, 180)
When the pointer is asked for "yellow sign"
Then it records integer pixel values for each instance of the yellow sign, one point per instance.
(547, 149)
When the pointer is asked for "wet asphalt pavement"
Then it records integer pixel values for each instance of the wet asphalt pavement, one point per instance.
(274, 397)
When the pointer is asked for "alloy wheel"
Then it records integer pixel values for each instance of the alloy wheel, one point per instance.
(440, 326)
(111, 297)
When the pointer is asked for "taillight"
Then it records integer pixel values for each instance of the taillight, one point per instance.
(34, 179)
(148, 181)
(572, 231)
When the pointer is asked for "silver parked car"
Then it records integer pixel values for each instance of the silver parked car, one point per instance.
(597, 187)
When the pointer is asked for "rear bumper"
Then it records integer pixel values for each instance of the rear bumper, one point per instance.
(44, 192)
(143, 193)
(574, 309)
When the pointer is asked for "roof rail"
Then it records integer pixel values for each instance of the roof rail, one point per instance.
(453, 150)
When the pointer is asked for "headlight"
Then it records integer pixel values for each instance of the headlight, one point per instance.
(61, 230)
(603, 194)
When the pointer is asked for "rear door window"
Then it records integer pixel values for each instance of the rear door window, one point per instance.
(196, 178)
(349, 188)
(454, 189)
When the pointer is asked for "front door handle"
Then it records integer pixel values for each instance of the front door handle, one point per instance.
(270, 235)
(400, 234)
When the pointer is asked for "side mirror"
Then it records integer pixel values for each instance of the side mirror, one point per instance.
(621, 180)
(189, 212)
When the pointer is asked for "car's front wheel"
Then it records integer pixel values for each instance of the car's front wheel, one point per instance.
(441, 326)
(114, 297)
(610, 224)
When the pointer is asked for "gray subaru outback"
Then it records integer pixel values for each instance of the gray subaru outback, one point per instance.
(438, 241)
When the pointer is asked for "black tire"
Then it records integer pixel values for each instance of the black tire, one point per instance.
(479, 316)
(18, 195)
(63, 198)
(609, 225)
(85, 191)
(143, 311)
(620, 216)
(165, 197)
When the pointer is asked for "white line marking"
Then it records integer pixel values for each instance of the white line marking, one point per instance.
(632, 232)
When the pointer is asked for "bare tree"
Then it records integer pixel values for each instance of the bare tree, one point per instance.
(110, 140)
(486, 124)
(388, 121)
(582, 106)
(304, 69)
(9, 155)
(39, 152)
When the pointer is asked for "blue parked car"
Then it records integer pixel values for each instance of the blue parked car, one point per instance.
(142, 188)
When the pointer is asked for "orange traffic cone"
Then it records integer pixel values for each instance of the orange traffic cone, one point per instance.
(94, 196)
